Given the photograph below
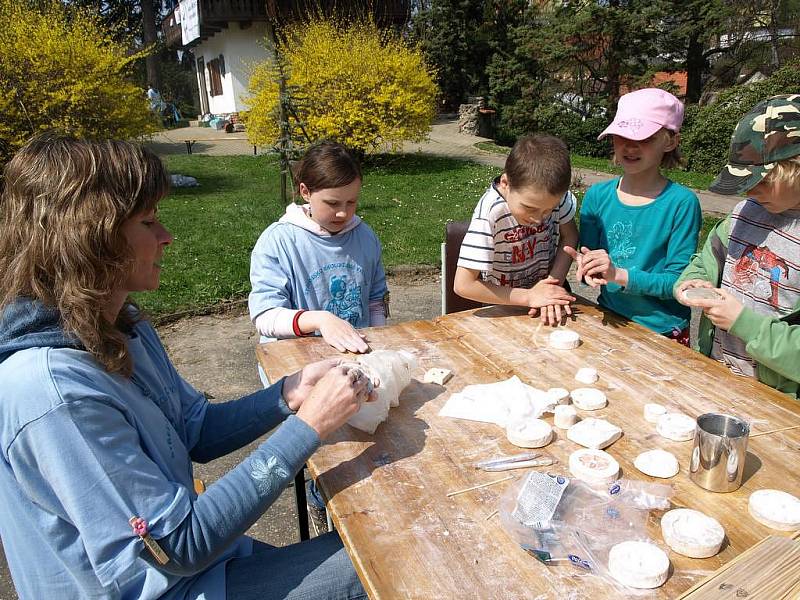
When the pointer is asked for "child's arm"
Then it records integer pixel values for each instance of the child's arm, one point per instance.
(705, 267)
(682, 243)
(568, 236)
(468, 284)
(275, 313)
(771, 342)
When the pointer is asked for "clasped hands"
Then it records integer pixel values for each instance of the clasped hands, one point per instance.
(327, 393)
(595, 267)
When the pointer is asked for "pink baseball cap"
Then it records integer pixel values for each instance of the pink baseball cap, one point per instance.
(643, 112)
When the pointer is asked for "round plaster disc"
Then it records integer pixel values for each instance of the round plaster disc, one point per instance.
(653, 412)
(564, 339)
(692, 533)
(587, 375)
(775, 509)
(638, 564)
(676, 426)
(529, 433)
(657, 463)
(593, 466)
(588, 398)
(559, 395)
(565, 416)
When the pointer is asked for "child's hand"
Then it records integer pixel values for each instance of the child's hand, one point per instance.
(548, 293)
(689, 284)
(722, 312)
(596, 267)
(552, 314)
(580, 264)
(341, 335)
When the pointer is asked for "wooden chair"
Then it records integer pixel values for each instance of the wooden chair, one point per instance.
(453, 236)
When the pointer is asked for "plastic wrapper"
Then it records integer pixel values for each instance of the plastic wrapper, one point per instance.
(566, 522)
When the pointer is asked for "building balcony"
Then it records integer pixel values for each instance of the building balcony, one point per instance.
(214, 15)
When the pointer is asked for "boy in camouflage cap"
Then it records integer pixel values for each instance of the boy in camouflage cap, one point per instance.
(751, 259)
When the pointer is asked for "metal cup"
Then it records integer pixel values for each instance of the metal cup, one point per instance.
(718, 456)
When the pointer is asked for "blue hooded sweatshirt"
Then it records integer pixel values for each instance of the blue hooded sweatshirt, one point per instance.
(83, 451)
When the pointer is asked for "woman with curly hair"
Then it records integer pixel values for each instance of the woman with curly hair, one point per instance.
(98, 431)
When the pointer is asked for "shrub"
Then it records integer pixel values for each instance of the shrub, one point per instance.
(707, 132)
(353, 83)
(61, 70)
(580, 134)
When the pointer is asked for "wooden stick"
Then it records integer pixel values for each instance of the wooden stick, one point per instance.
(482, 485)
(752, 435)
(491, 514)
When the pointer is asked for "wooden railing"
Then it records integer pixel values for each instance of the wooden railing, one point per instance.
(215, 14)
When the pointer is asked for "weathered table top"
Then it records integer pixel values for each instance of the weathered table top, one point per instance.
(388, 492)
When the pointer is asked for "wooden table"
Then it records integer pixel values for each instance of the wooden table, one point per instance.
(388, 492)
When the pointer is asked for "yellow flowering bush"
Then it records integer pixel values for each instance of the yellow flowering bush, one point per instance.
(60, 69)
(352, 83)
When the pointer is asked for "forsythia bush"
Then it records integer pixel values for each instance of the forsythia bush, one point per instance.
(352, 83)
(60, 69)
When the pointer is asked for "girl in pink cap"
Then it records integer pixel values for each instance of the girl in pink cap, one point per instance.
(638, 231)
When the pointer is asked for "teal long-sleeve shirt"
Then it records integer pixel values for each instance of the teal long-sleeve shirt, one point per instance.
(653, 242)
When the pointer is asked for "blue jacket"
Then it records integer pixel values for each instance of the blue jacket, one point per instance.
(83, 450)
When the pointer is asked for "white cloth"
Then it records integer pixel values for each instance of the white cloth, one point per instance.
(498, 402)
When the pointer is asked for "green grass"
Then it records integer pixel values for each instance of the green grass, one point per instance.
(692, 179)
(406, 199)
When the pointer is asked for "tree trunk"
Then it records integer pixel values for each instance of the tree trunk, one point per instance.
(150, 38)
(695, 65)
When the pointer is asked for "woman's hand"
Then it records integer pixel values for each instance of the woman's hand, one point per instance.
(335, 398)
(340, 334)
(297, 386)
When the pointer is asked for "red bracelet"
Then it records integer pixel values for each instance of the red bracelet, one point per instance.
(296, 323)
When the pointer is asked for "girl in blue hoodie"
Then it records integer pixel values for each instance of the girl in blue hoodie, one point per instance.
(98, 431)
(318, 268)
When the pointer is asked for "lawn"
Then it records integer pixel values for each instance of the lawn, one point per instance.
(406, 199)
(692, 179)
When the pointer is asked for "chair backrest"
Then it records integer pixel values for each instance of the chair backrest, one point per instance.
(454, 235)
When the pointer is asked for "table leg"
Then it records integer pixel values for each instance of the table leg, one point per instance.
(300, 499)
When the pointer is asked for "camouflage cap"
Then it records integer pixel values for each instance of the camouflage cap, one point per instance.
(770, 132)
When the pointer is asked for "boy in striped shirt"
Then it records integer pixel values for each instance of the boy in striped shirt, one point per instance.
(513, 251)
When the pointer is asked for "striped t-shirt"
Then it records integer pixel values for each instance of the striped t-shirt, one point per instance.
(761, 271)
(507, 253)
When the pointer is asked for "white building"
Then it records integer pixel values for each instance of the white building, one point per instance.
(227, 37)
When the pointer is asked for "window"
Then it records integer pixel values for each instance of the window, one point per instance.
(215, 77)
